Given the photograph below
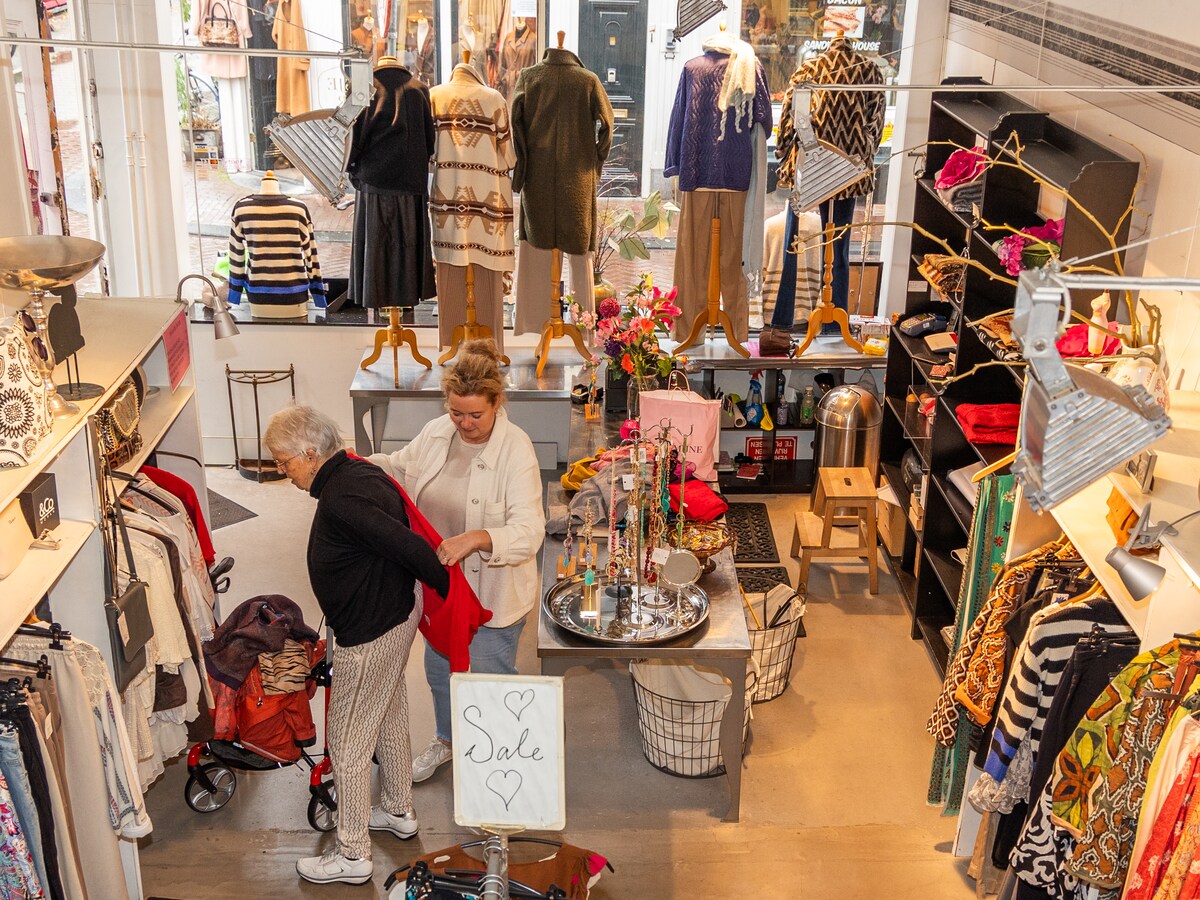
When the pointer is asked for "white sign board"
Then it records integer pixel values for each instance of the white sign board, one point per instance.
(508, 751)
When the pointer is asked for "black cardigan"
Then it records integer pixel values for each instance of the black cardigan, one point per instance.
(363, 560)
(390, 149)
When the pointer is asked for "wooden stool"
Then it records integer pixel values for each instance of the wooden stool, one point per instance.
(839, 491)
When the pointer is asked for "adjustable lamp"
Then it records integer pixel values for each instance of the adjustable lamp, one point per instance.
(1140, 576)
(223, 324)
(1076, 425)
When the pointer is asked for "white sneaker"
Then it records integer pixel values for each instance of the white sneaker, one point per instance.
(335, 867)
(435, 755)
(403, 827)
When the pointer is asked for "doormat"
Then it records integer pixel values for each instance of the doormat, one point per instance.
(755, 539)
(760, 579)
(223, 511)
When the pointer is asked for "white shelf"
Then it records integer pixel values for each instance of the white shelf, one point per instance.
(1175, 606)
(38, 572)
(119, 335)
(1174, 493)
(159, 413)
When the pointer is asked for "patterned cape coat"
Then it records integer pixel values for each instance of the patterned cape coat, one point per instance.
(471, 203)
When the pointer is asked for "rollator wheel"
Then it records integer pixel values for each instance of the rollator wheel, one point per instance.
(200, 798)
(321, 816)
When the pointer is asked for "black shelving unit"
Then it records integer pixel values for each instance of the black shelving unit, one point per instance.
(1102, 182)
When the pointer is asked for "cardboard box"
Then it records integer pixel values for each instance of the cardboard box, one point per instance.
(890, 518)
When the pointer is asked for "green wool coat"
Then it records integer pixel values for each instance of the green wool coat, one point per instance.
(562, 130)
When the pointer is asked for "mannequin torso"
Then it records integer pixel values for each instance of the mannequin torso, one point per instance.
(269, 187)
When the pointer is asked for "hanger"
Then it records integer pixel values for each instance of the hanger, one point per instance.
(54, 631)
(41, 666)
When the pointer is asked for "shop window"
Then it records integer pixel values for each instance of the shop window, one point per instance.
(502, 36)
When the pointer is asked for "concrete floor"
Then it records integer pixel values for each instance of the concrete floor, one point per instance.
(834, 780)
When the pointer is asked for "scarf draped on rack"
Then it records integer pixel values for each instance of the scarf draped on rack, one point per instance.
(988, 544)
(737, 88)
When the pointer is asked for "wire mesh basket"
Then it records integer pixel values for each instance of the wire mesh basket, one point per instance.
(681, 735)
(773, 644)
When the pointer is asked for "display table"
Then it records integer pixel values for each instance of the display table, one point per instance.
(722, 642)
(541, 406)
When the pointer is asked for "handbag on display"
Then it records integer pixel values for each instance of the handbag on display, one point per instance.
(117, 423)
(25, 416)
(774, 341)
(128, 610)
(217, 29)
(689, 414)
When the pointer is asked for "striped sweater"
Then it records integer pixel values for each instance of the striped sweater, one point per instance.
(1034, 679)
(273, 252)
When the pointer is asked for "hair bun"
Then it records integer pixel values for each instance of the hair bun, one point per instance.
(485, 347)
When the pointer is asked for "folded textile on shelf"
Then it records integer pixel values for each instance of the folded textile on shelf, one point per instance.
(989, 423)
(947, 274)
(996, 333)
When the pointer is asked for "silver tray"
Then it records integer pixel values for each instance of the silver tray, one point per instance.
(659, 614)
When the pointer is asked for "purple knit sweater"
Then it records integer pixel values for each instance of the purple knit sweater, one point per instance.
(693, 151)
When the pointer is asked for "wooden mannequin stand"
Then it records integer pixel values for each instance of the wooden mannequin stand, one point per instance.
(713, 315)
(394, 336)
(827, 313)
(555, 327)
(471, 329)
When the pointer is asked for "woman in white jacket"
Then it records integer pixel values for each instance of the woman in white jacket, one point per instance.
(474, 475)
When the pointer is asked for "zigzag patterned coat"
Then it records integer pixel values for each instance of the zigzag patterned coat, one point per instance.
(850, 120)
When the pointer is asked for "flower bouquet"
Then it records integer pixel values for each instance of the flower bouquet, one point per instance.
(628, 332)
(1031, 248)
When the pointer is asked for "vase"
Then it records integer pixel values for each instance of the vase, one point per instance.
(601, 288)
(633, 393)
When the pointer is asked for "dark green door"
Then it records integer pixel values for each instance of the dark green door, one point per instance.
(612, 43)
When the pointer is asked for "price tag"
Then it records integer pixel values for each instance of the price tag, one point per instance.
(659, 555)
(627, 482)
(123, 628)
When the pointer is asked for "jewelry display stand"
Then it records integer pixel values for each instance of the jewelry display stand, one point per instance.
(826, 313)
(555, 327)
(470, 330)
(713, 314)
(41, 263)
(394, 336)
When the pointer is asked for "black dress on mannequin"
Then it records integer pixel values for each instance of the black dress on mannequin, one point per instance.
(391, 258)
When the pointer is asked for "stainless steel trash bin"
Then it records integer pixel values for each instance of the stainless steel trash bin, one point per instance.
(849, 420)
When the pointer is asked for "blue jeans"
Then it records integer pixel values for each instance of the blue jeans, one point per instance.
(493, 652)
(12, 765)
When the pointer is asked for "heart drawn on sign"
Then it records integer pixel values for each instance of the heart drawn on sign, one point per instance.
(518, 701)
(504, 783)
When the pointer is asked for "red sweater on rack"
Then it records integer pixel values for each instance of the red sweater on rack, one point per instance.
(182, 489)
(449, 623)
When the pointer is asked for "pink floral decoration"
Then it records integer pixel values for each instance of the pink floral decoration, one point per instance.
(963, 166)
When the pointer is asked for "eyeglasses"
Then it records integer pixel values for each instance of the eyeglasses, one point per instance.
(282, 466)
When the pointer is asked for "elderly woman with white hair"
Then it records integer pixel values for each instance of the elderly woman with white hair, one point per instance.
(364, 562)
